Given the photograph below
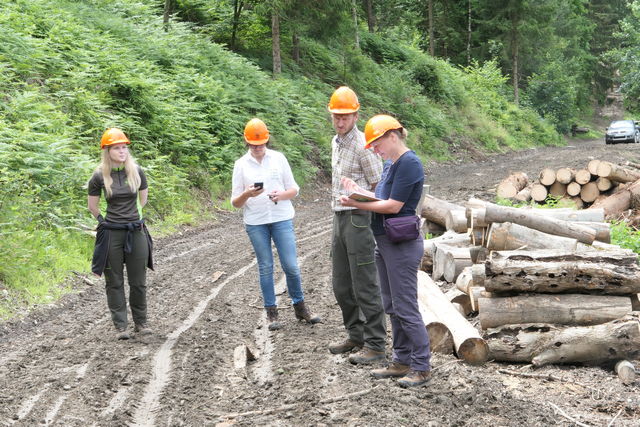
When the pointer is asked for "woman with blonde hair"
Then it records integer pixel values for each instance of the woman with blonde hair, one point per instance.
(122, 237)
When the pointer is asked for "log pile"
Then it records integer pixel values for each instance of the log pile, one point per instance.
(546, 284)
(580, 187)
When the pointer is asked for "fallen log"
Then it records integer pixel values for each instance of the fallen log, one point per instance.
(455, 296)
(511, 185)
(539, 192)
(524, 195)
(565, 309)
(435, 210)
(547, 176)
(456, 259)
(468, 343)
(604, 184)
(450, 238)
(583, 176)
(440, 339)
(465, 280)
(507, 236)
(565, 175)
(573, 188)
(592, 167)
(477, 275)
(603, 230)
(543, 344)
(456, 220)
(477, 292)
(558, 189)
(589, 192)
(618, 202)
(556, 271)
(478, 254)
(617, 173)
(569, 214)
(626, 372)
(495, 213)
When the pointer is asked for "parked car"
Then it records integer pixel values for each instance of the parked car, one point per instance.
(622, 131)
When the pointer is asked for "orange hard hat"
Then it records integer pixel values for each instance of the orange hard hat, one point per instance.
(256, 132)
(113, 136)
(343, 101)
(377, 126)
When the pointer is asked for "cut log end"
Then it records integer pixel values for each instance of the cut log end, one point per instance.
(474, 351)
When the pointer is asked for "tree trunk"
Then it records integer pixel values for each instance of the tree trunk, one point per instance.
(237, 10)
(604, 184)
(589, 192)
(468, 343)
(465, 280)
(565, 175)
(435, 210)
(469, 34)
(275, 42)
(539, 192)
(547, 176)
(573, 189)
(440, 339)
(561, 271)
(573, 310)
(166, 16)
(583, 176)
(507, 236)
(456, 220)
(524, 195)
(432, 42)
(619, 201)
(354, 12)
(511, 185)
(371, 17)
(295, 47)
(592, 167)
(543, 344)
(568, 214)
(603, 230)
(558, 189)
(495, 213)
(515, 57)
(617, 173)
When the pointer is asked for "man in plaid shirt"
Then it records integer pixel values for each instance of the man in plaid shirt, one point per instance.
(352, 250)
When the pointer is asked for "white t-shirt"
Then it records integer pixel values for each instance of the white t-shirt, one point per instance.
(275, 173)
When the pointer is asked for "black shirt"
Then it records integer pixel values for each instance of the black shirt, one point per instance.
(122, 205)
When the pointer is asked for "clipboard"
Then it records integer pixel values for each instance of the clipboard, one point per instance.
(362, 197)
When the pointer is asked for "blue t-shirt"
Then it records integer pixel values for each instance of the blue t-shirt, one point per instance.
(401, 181)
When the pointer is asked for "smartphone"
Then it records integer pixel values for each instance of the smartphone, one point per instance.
(258, 185)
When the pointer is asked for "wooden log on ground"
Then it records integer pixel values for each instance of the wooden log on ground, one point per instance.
(573, 188)
(539, 192)
(558, 189)
(507, 236)
(511, 185)
(565, 309)
(455, 296)
(620, 201)
(465, 280)
(469, 345)
(456, 259)
(435, 210)
(592, 167)
(478, 254)
(524, 195)
(626, 372)
(589, 192)
(603, 230)
(583, 176)
(475, 218)
(617, 173)
(565, 175)
(631, 164)
(477, 292)
(569, 214)
(440, 339)
(456, 220)
(604, 184)
(547, 176)
(477, 275)
(495, 213)
(450, 238)
(556, 271)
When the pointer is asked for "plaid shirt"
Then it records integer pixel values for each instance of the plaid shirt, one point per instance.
(350, 159)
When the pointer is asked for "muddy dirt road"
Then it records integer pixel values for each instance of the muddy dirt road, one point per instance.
(62, 366)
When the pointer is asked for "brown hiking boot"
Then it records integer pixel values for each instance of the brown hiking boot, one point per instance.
(366, 356)
(142, 329)
(122, 334)
(343, 347)
(272, 318)
(302, 313)
(415, 379)
(393, 370)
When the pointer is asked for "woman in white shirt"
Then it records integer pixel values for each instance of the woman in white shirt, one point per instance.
(263, 186)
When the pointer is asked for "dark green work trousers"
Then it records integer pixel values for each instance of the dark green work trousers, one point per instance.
(136, 263)
(354, 279)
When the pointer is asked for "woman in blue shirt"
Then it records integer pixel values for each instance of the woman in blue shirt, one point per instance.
(399, 192)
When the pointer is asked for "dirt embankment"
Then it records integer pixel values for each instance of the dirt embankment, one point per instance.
(62, 366)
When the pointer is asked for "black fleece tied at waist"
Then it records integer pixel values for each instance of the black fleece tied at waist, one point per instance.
(103, 241)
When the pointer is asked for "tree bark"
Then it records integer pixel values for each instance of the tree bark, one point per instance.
(456, 260)
(583, 176)
(469, 345)
(235, 23)
(295, 47)
(432, 42)
(449, 238)
(506, 236)
(568, 214)
(435, 210)
(561, 271)
(619, 201)
(573, 310)
(511, 185)
(455, 220)
(455, 296)
(495, 213)
(166, 16)
(543, 344)
(547, 176)
(354, 12)
(275, 42)
(371, 17)
(469, 34)
(617, 173)
(515, 53)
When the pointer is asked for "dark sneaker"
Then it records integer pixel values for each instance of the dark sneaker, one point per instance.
(415, 379)
(122, 334)
(367, 356)
(393, 370)
(142, 329)
(303, 313)
(344, 346)
(272, 318)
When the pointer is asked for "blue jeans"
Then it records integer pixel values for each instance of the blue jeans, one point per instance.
(285, 239)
